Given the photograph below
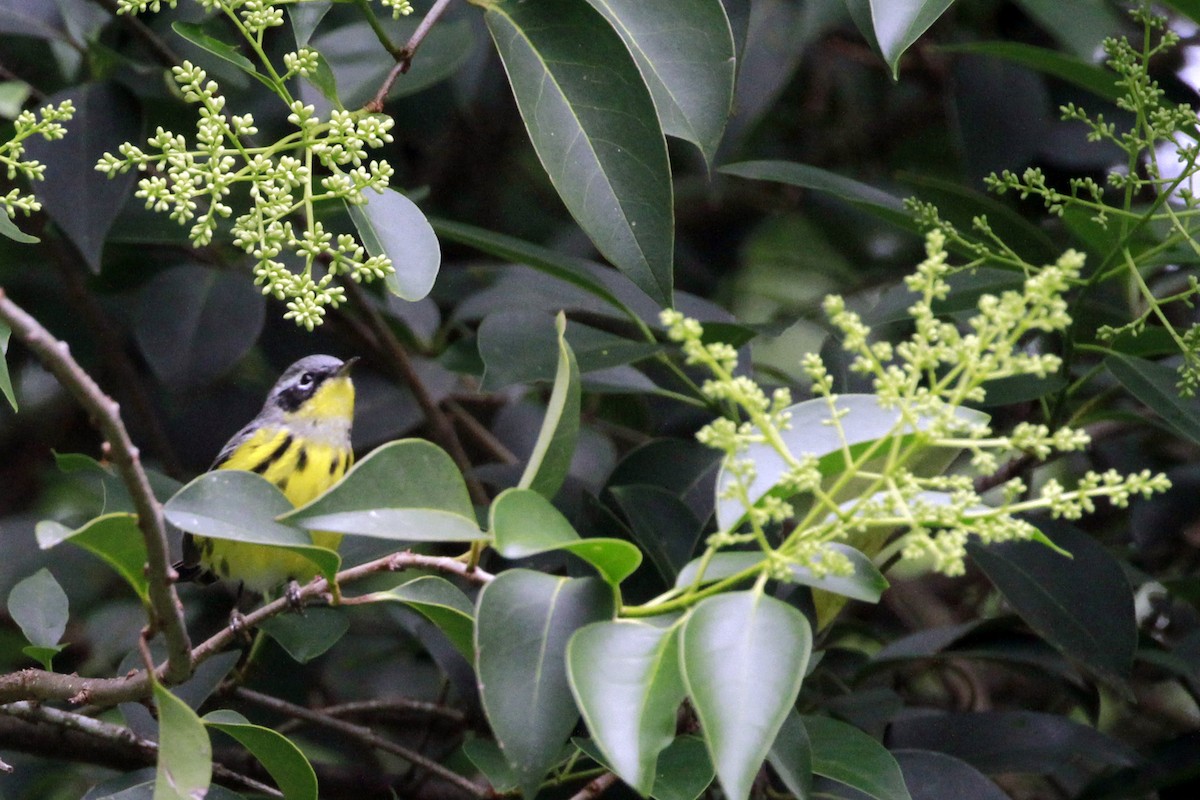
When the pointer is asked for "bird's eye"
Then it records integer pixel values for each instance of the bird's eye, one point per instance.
(306, 380)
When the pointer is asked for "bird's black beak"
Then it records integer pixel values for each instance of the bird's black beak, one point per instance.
(346, 366)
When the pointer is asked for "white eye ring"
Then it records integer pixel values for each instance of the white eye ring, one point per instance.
(306, 380)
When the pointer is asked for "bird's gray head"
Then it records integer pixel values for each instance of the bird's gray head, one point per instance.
(301, 380)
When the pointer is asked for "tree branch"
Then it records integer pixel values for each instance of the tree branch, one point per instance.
(364, 735)
(404, 55)
(443, 430)
(167, 613)
(36, 684)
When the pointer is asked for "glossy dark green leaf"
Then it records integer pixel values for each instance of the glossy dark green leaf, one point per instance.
(1082, 605)
(937, 776)
(305, 17)
(193, 324)
(593, 124)
(791, 756)
(555, 446)
(184, 751)
(626, 680)
(106, 115)
(243, 507)
(197, 35)
(866, 583)
(488, 759)
(442, 603)
(407, 490)
(1155, 385)
(391, 225)
(307, 636)
(664, 527)
(574, 271)
(684, 770)
(523, 622)
(743, 656)
(114, 538)
(847, 755)
(995, 742)
(898, 24)
(6, 386)
(1080, 26)
(39, 607)
(874, 201)
(1097, 80)
(284, 762)
(684, 50)
(524, 523)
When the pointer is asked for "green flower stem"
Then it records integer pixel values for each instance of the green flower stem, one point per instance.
(377, 28)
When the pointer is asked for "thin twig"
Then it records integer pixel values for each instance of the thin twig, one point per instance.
(105, 413)
(483, 437)
(117, 737)
(160, 49)
(595, 787)
(404, 55)
(36, 684)
(443, 430)
(362, 734)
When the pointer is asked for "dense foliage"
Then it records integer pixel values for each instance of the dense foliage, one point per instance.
(787, 398)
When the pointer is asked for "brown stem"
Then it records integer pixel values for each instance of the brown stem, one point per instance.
(364, 735)
(160, 49)
(167, 613)
(36, 684)
(595, 787)
(443, 431)
(404, 56)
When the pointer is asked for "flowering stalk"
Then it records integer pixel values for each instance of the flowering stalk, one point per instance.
(879, 484)
(47, 123)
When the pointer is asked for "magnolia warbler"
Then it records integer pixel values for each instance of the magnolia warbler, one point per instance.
(300, 442)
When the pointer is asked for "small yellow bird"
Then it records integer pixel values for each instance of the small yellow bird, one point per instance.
(300, 442)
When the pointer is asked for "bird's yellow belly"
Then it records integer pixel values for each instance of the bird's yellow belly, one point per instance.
(302, 470)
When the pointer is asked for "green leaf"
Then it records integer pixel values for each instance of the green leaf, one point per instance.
(308, 635)
(523, 622)
(1095, 79)
(305, 17)
(684, 770)
(626, 681)
(791, 756)
(1082, 605)
(663, 525)
(114, 538)
(39, 607)
(565, 268)
(524, 523)
(442, 603)
(1079, 25)
(195, 33)
(846, 754)
(684, 50)
(106, 116)
(284, 762)
(1155, 385)
(867, 198)
(744, 655)
(5, 379)
(9, 229)
(488, 759)
(391, 225)
(864, 422)
(194, 324)
(593, 124)
(243, 507)
(407, 490)
(551, 457)
(866, 583)
(898, 23)
(184, 751)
